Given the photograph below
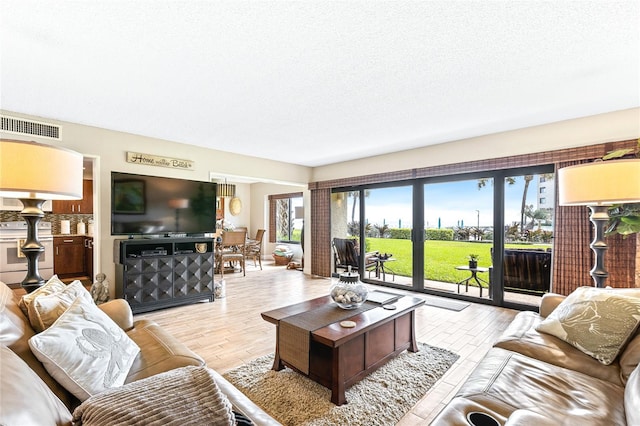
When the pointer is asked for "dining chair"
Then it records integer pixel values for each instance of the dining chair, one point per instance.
(254, 248)
(232, 249)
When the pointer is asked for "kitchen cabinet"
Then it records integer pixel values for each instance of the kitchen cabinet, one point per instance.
(69, 256)
(83, 206)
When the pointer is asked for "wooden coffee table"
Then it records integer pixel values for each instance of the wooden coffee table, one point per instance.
(335, 356)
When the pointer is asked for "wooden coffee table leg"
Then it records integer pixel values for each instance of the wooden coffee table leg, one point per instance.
(277, 362)
(413, 346)
(337, 380)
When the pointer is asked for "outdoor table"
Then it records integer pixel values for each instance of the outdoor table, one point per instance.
(380, 267)
(474, 276)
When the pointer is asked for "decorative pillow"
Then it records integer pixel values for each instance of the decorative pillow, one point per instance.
(596, 321)
(84, 350)
(52, 286)
(44, 310)
(26, 398)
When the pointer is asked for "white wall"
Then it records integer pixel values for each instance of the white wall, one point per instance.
(610, 127)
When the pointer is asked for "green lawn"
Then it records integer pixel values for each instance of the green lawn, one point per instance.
(440, 257)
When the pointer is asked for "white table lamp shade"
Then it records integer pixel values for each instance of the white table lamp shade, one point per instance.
(600, 183)
(38, 171)
(33, 173)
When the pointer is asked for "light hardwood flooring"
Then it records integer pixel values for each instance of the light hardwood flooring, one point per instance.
(230, 331)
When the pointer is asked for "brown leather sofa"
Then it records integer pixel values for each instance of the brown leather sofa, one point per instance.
(533, 378)
(30, 396)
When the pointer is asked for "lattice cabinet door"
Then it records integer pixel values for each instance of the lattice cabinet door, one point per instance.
(148, 280)
(193, 274)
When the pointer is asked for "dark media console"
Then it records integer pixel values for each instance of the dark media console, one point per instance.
(163, 272)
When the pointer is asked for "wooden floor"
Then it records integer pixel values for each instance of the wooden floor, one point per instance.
(230, 331)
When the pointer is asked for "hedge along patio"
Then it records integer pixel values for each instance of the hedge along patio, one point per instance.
(440, 257)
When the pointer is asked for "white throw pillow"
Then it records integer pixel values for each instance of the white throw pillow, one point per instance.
(596, 321)
(44, 310)
(25, 398)
(84, 350)
(52, 286)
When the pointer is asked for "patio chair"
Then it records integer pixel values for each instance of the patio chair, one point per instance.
(345, 254)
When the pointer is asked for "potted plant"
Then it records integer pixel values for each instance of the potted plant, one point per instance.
(624, 219)
(473, 260)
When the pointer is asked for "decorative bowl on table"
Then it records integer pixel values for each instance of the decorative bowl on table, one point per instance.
(349, 292)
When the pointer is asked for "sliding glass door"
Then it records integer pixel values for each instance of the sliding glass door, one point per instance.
(458, 219)
(528, 215)
(484, 236)
(388, 216)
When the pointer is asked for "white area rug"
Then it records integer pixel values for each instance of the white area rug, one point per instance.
(382, 398)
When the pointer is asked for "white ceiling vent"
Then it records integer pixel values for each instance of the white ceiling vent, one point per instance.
(29, 127)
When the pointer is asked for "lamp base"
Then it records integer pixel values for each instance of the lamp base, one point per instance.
(599, 217)
(32, 249)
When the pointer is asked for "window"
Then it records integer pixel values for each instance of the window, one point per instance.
(543, 189)
(543, 201)
(285, 226)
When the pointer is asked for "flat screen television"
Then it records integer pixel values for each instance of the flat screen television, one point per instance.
(153, 205)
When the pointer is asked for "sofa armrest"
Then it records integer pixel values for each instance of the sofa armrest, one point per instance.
(549, 302)
(242, 404)
(120, 312)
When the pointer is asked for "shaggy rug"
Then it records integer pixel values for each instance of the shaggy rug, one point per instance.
(381, 398)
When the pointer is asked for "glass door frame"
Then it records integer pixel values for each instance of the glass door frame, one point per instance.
(496, 295)
(419, 190)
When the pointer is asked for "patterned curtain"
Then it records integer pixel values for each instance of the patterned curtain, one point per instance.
(321, 232)
(572, 257)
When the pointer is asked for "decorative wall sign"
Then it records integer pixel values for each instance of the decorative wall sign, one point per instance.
(155, 160)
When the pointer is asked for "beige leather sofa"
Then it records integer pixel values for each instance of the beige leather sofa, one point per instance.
(533, 378)
(30, 396)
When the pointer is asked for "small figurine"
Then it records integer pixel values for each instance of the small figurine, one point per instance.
(100, 289)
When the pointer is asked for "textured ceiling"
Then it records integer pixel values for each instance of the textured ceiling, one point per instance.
(317, 82)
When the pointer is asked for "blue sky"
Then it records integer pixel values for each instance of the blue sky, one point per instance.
(451, 203)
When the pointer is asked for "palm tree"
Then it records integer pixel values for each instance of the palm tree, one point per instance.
(511, 180)
(523, 206)
(282, 227)
(356, 195)
(482, 182)
(536, 215)
(353, 228)
(383, 230)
